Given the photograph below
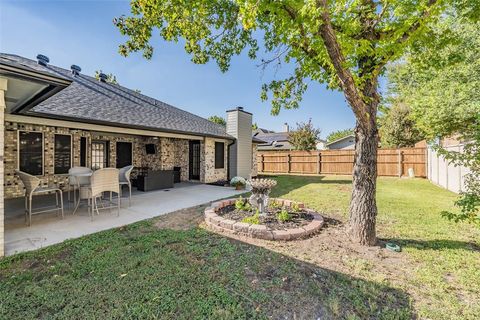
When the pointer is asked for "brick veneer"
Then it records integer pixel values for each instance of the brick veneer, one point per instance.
(171, 152)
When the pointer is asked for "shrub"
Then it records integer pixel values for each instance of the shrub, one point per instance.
(284, 216)
(255, 219)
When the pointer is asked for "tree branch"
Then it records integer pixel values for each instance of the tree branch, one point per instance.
(347, 81)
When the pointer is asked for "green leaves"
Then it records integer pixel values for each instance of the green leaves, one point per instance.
(369, 35)
(305, 136)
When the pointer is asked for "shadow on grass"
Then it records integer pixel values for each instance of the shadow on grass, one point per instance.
(436, 244)
(140, 271)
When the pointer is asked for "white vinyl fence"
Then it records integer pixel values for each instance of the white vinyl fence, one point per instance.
(446, 174)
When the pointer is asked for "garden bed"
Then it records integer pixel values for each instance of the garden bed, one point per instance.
(286, 220)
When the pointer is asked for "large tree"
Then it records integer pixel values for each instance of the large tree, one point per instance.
(344, 44)
(338, 134)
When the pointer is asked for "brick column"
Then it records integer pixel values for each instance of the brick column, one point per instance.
(3, 88)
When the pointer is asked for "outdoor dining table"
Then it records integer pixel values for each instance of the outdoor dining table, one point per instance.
(76, 176)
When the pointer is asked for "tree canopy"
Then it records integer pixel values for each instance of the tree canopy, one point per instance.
(335, 135)
(305, 136)
(111, 78)
(397, 127)
(218, 120)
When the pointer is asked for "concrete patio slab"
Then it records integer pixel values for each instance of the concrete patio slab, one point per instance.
(48, 229)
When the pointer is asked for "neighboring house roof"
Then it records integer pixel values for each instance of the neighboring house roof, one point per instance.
(350, 136)
(261, 131)
(274, 141)
(89, 100)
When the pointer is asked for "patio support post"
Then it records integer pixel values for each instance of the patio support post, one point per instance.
(3, 88)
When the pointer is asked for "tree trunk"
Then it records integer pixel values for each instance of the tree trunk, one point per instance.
(363, 207)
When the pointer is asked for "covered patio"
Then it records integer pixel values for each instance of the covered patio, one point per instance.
(48, 228)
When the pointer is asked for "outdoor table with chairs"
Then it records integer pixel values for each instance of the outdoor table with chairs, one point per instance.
(85, 184)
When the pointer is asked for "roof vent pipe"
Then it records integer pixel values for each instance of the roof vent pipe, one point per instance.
(103, 77)
(286, 128)
(42, 60)
(75, 69)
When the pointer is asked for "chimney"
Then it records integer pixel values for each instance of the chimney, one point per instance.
(42, 60)
(239, 125)
(75, 69)
(103, 77)
(286, 128)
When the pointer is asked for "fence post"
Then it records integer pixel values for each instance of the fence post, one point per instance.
(400, 166)
(263, 162)
(288, 163)
(319, 163)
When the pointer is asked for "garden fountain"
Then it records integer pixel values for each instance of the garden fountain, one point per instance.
(260, 190)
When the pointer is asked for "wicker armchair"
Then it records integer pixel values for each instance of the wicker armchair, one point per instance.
(32, 187)
(102, 180)
(124, 180)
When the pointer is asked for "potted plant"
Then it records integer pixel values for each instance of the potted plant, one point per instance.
(238, 182)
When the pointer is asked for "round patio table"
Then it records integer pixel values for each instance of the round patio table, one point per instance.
(76, 176)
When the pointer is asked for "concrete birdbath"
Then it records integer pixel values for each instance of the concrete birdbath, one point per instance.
(261, 189)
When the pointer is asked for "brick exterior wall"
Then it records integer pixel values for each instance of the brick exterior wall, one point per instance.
(211, 174)
(171, 152)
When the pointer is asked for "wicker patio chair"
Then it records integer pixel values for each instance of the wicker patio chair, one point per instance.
(124, 180)
(32, 187)
(101, 181)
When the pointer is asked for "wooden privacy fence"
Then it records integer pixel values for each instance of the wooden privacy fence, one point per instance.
(391, 162)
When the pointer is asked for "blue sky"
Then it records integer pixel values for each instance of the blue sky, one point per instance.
(82, 33)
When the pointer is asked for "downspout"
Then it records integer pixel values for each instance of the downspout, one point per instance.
(228, 157)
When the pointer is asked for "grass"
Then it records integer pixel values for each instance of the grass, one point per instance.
(444, 256)
(142, 271)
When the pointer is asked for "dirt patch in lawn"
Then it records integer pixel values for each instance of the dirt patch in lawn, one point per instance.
(184, 219)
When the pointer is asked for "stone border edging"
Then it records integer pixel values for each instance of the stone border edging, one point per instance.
(218, 223)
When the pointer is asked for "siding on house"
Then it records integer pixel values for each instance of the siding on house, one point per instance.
(239, 125)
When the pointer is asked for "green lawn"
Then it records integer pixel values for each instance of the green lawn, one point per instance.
(143, 271)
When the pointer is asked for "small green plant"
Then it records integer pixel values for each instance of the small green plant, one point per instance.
(295, 207)
(284, 216)
(242, 204)
(275, 205)
(255, 219)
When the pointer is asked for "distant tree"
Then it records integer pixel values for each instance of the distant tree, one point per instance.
(254, 126)
(305, 136)
(335, 135)
(218, 120)
(397, 128)
(111, 78)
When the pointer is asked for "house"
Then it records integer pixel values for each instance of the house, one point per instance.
(345, 143)
(278, 141)
(54, 119)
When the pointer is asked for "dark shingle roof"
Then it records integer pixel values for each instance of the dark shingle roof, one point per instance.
(90, 100)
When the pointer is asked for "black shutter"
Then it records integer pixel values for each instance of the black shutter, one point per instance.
(83, 152)
(219, 155)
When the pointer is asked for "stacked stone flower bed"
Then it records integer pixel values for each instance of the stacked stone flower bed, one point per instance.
(221, 216)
